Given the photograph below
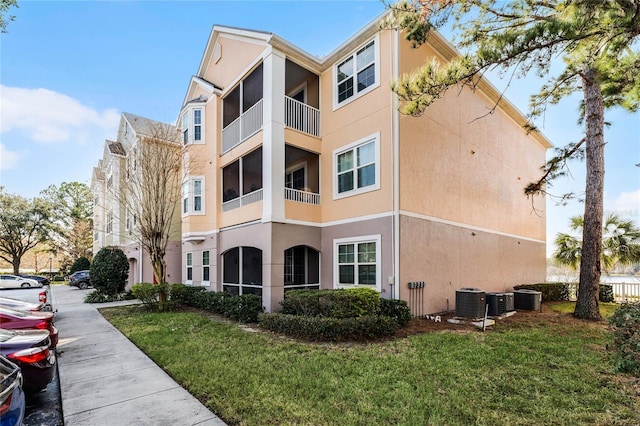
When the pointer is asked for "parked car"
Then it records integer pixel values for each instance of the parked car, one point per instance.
(42, 280)
(31, 295)
(14, 281)
(11, 319)
(12, 400)
(20, 305)
(29, 350)
(80, 279)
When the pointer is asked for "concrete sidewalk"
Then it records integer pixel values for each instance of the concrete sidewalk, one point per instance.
(106, 380)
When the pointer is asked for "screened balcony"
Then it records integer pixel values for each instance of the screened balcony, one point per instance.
(302, 176)
(242, 181)
(302, 99)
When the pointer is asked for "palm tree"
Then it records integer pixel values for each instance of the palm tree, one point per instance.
(620, 243)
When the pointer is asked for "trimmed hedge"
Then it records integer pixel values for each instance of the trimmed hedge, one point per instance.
(625, 323)
(323, 328)
(551, 292)
(557, 291)
(341, 303)
(243, 308)
(396, 309)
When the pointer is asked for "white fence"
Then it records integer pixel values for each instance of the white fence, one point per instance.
(301, 196)
(622, 292)
(302, 117)
(252, 197)
(249, 123)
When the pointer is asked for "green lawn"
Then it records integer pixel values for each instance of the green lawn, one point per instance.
(513, 375)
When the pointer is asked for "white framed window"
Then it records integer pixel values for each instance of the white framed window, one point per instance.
(109, 229)
(192, 126)
(206, 268)
(295, 177)
(193, 196)
(356, 167)
(357, 262)
(189, 272)
(357, 74)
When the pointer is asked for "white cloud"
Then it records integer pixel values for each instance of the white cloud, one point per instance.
(8, 159)
(47, 116)
(628, 203)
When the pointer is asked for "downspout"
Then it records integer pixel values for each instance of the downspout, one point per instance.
(140, 257)
(395, 119)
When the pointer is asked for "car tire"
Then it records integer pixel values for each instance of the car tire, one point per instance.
(25, 285)
(83, 286)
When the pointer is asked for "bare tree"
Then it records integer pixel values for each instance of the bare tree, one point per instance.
(151, 193)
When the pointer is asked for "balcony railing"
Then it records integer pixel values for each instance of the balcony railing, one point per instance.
(243, 127)
(302, 117)
(252, 197)
(301, 196)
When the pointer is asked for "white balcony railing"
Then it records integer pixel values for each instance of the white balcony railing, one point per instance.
(302, 117)
(243, 127)
(252, 197)
(301, 196)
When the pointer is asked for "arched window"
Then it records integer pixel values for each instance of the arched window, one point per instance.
(242, 271)
(301, 268)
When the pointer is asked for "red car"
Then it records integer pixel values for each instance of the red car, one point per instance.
(11, 319)
(29, 350)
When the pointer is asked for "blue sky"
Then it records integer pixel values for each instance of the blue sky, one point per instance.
(68, 69)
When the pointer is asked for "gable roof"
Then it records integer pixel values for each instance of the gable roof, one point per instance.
(116, 148)
(146, 127)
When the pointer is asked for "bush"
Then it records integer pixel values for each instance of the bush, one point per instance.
(97, 297)
(341, 303)
(109, 271)
(323, 328)
(396, 309)
(81, 264)
(243, 308)
(625, 323)
(551, 292)
(606, 293)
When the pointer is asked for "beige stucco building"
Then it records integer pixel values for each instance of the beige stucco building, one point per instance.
(116, 208)
(299, 172)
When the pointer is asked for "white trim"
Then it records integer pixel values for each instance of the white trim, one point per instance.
(206, 283)
(198, 235)
(377, 238)
(189, 183)
(395, 138)
(353, 54)
(375, 137)
(186, 268)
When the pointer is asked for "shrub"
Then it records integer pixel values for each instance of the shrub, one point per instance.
(243, 308)
(551, 292)
(606, 293)
(323, 328)
(109, 271)
(396, 309)
(81, 264)
(97, 297)
(339, 303)
(625, 323)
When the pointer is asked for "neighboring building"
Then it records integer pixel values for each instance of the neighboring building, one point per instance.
(115, 215)
(300, 173)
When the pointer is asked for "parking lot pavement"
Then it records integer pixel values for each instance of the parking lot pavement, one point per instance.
(45, 408)
(106, 380)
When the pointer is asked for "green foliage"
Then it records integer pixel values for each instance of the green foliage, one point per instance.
(243, 308)
(551, 292)
(81, 264)
(396, 309)
(109, 271)
(606, 293)
(341, 303)
(5, 5)
(620, 243)
(324, 328)
(625, 323)
(97, 297)
(149, 294)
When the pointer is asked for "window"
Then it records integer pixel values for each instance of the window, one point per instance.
(192, 123)
(357, 262)
(357, 74)
(242, 271)
(189, 268)
(205, 267)
(301, 268)
(295, 178)
(192, 196)
(109, 222)
(355, 168)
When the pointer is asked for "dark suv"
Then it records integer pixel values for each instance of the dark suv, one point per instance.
(80, 279)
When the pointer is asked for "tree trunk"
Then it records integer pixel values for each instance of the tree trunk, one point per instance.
(16, 265)
(587, 305)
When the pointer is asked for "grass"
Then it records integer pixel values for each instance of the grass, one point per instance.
(606, 309)
(528, 375)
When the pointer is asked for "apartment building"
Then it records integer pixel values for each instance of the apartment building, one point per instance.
(299, 172)
(117, 183)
